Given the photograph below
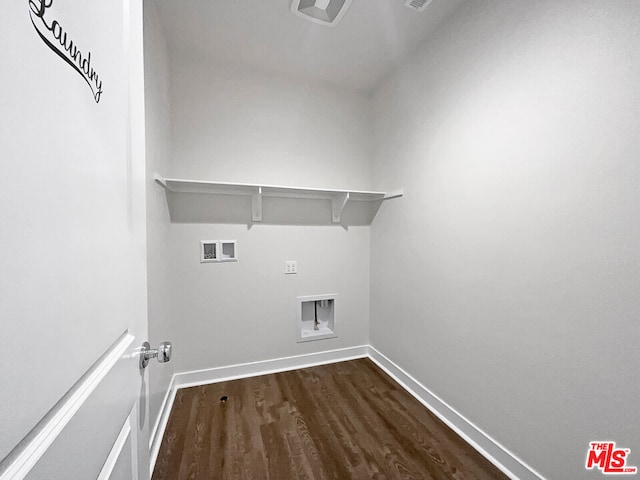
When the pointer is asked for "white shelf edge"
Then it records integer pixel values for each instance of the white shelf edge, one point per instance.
(166, 183)
(338, 198)
(394, 194)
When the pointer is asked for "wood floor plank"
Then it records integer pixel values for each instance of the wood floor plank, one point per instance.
(341, 421)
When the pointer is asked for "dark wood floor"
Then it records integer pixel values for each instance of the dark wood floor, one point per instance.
(341, 421)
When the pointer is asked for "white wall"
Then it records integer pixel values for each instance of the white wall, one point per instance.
(235, 125)
(507, 278)
(232, 313)
(158, 146)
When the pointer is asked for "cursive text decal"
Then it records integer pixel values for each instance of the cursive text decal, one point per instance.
(58, 40)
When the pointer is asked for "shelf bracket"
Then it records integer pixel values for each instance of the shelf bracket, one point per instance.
(256, 205)
(338, 203)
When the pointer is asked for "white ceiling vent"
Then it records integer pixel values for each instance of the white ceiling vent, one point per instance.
(417, 5)
(323, 12)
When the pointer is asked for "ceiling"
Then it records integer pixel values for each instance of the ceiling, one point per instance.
(373, 38)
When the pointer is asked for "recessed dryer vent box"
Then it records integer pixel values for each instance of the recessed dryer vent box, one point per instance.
(316, 317)
(216, 251)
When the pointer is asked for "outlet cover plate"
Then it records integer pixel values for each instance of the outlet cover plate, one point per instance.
(290, 267)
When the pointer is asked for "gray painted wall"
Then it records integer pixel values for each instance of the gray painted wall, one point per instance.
(507, 278)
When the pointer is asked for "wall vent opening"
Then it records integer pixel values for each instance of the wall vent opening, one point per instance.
(323, 12)
(417, 5)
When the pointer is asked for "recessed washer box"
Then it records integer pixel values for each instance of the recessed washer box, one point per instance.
(217, 251)
(316, 319)
(208, 251)
(228, 251)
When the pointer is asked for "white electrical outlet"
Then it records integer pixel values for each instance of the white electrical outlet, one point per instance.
(290, 267)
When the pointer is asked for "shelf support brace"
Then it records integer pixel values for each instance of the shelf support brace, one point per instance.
(338, 203)
(256, 205)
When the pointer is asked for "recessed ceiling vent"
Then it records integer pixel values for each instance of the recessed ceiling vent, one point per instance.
(417, 5)
(323, 12)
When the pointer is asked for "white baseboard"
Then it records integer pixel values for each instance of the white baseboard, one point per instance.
(244, 370)
(234, 372)
(493, 451)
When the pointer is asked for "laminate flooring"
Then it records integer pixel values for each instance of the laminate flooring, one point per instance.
(342, 421)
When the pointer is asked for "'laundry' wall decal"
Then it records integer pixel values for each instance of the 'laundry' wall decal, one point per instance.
(58, 40)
